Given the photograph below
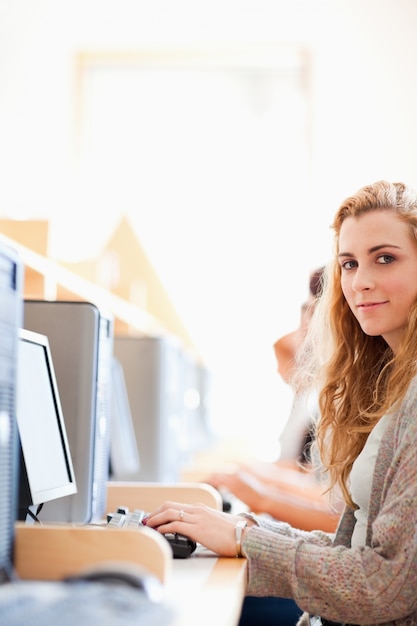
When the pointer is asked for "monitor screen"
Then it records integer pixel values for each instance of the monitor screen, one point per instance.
(46, 470)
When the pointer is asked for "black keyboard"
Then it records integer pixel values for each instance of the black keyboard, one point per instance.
(182, 546)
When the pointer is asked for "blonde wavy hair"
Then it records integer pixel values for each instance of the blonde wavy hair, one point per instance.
(358, 376)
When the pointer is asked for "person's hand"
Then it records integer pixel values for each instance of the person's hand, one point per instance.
(299, 502)
(213, 529)
(242, 485)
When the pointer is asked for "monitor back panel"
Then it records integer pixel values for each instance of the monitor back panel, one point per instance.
(10, 321)
(81, 343)
(124, 453)
(196, 396)
(154, 374)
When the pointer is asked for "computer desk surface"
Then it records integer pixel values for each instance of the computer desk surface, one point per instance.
(207, 589)
(203, 588)
(149, 495)
(55, 551)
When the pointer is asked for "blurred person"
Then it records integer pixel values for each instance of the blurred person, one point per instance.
(287, 489)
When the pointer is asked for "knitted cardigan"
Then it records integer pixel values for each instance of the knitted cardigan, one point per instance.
(372, 584)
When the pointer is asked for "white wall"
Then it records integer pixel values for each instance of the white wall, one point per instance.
(363, 128)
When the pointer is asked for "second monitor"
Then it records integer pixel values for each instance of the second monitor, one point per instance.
(165, 400)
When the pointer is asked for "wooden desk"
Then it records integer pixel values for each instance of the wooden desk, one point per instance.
(53, 552)
(149, 495)
(207, 590)
(203, 589)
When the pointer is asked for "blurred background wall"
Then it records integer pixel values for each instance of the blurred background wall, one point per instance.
(227, 132)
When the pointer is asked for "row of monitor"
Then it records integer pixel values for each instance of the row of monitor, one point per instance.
(110, 407)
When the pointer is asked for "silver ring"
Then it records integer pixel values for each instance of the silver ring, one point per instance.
(181, 514)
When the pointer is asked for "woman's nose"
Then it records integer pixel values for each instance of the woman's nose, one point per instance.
(363, 279)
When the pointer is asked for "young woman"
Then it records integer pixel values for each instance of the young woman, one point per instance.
(367, 434)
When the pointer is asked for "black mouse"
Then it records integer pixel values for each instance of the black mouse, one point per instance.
(121, 573)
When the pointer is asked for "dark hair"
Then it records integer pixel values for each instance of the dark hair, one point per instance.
(316, 282)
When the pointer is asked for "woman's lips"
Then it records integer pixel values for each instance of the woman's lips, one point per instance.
(370, 305)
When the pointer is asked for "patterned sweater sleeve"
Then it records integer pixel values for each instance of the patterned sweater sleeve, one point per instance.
(370, 584)
(263, 544)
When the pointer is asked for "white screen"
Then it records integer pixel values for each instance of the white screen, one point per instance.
(38, 418)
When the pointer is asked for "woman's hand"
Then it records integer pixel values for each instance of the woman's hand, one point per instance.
(213, 529)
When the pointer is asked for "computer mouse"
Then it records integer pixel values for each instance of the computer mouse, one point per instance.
(226, 504)
(122, 573)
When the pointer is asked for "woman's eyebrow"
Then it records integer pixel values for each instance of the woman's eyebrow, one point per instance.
(371, 250)
(383, 245)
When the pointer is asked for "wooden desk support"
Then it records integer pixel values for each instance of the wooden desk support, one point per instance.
(51, 552)
(148, 496)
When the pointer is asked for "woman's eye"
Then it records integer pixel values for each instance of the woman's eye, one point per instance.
(385, 258)
(348, 265)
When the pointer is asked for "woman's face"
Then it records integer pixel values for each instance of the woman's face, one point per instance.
(378, 259)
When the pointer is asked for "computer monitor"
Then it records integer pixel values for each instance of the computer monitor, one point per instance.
(154, 373)
(46, 471)
(11, 281)
(196, 407)
(80, 336)
(124, 453)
